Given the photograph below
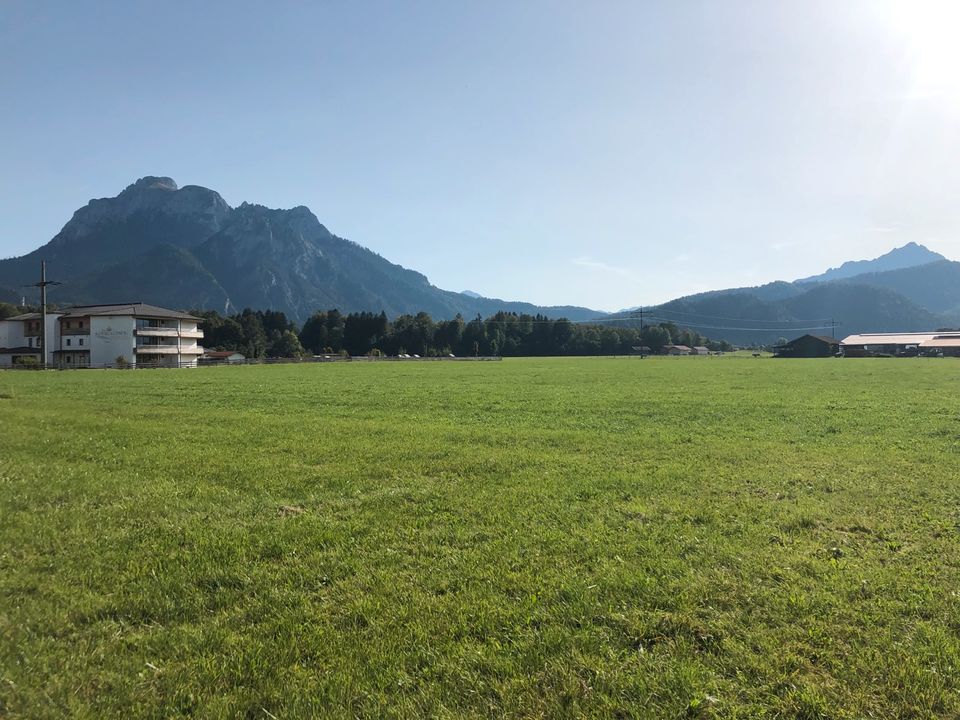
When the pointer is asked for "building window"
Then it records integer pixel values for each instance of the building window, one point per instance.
(68, 342)
(69, 359)
(30, 342)
(81, 341)
(81, 324)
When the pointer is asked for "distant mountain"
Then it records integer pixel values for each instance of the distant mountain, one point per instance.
(107, 231)
(935, 286)
(913, 293)
(471, 294)
(187, 248)
(9, 296)
(777, 290)
(910, 255)
(743, 318)
(162, 271)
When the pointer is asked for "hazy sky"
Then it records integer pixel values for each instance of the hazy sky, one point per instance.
(606, 154)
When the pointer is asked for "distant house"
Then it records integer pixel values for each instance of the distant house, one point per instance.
(214, 357)
(676, 350)
(699, 350)
(808, 346)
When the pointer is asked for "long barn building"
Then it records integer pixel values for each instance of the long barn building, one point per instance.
(901, 344)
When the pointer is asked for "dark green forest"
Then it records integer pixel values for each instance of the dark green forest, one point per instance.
(268, 333)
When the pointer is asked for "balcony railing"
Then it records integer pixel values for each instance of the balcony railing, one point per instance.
(169, 340)
(156, 332)
(169, 350)
(157, 349)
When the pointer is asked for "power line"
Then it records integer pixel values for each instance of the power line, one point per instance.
(641, 315)
(753, 329)
(661, 310)
(781, 325)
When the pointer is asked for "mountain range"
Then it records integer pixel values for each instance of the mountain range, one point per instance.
(187, 248)
(909, 288)
(910, 255)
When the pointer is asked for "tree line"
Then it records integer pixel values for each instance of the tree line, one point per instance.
(269, 333)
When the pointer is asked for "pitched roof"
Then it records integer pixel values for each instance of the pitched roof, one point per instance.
(32, 315)
(891, 338)
(221, 353)
(821, 338)
(139, 309)
(942, 341)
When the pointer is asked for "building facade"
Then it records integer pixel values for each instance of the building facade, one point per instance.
(808, 346)
(20, 339)
(131, 334)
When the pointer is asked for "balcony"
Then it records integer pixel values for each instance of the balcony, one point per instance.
(191, 334)
(157, 349)
(169, 350)
(156, 332)
(74, 331)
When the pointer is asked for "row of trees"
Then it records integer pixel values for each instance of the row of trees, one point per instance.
(259, 333)
(268, 333)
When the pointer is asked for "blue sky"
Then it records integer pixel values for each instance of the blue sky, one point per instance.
(604, 154)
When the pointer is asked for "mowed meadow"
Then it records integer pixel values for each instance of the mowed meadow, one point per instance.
(725, 537)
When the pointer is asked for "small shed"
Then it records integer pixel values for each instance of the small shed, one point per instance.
(214, 357)
(808, 346)
(699, 350)
(676, 350)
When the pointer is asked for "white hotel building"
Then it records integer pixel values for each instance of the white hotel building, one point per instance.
(100, 335)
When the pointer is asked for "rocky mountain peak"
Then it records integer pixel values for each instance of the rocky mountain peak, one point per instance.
(910, 255)
(185, 247)
(152, 182)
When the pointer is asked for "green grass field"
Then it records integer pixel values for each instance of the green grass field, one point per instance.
(672, 537)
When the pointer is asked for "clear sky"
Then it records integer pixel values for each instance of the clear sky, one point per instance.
(606, 154)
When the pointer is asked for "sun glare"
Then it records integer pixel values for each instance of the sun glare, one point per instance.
(932, 32)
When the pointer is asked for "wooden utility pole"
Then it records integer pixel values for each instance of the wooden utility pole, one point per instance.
(641, 334)
(43, 312)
